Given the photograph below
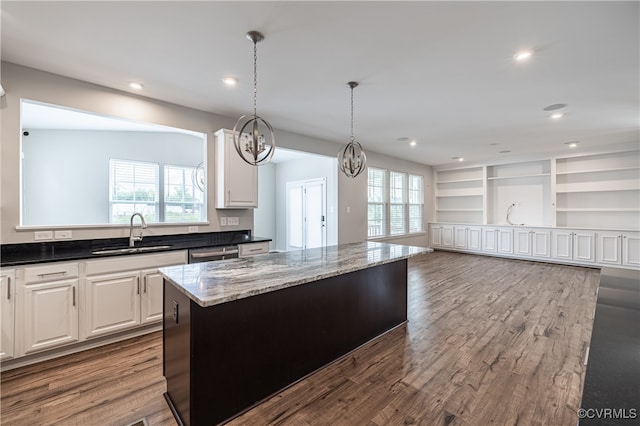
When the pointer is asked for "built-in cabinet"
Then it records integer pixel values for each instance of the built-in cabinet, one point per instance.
(48, 314)
(253, 249)
(459, 195)
(118, 295)
(236, 180)
(50, 306)
(7, 309)
(573, 246)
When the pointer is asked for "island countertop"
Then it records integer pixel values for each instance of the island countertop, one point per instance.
(213, 283)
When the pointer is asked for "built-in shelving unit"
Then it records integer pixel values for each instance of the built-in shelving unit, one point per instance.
(599, 191)
(459, 195)
(591, 191)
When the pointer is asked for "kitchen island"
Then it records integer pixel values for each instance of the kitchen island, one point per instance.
(237, 331)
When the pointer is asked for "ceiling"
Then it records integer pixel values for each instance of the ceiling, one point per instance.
(440, 73)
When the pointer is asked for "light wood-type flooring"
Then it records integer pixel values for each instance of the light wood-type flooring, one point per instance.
(489, 341)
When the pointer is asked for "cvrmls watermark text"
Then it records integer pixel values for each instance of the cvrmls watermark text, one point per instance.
(607, 413)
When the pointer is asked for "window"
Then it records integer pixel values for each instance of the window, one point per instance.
(133, 187)
(377, 201)
(183, 201)
(171, 196)
(395, 203)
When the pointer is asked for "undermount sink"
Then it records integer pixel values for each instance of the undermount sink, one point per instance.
(129, 250)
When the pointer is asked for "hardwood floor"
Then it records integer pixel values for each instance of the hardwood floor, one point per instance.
(489, 341)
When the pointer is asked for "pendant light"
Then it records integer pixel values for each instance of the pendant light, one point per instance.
(351, 159)
(249, 131)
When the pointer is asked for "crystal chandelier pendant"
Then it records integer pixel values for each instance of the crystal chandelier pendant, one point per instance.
(249, 131)
(351, 158)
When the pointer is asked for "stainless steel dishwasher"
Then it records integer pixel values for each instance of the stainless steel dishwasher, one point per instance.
(210, 254)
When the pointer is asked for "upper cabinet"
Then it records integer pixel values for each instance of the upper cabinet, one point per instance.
(236, 180)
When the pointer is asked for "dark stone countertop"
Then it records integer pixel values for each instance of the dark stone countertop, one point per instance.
(53, 251)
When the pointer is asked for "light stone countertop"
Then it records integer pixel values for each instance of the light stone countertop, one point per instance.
(213, 283)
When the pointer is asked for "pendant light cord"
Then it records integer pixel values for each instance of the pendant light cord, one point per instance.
(255, 77)
(352, 138)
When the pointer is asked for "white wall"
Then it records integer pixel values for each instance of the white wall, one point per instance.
(21, 82)
(306, 169)
(66, 172)
(264, 217)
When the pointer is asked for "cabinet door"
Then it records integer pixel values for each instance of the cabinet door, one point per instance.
(631, 249)
(522, 244)
(447, 236)
(489, 240)
(584, 246)
(112, 303)
(50, 314)
(505, 241)
(474, 238)
(151, 296)
(7, 306)
(239, 179)
(609, 248)
(460, 239)
(563, 245)
(436, 236)
(541, 244)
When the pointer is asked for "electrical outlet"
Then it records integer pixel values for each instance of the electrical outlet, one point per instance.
(223, 221)
(63, 235)
(43, 235)
(233, 220)
(193, 229)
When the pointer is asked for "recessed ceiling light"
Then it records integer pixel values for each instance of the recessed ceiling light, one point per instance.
(413, 143)
(457, 158)
(494, 143)
(135, 85)
(554, 107)
(230, 81)
(523, 55)
(402, 139)
(557, 115)
(572, 144)
(506, 151)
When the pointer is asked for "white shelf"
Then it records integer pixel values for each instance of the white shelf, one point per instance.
(588, 210)
(460, 180)
(598, 170)
(577, 190)
(458, 210)
(518, 177)
(466, 192)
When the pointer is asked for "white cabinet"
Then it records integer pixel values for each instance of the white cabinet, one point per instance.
(467, 237)
(118, 295)
(442, 236)
(252, 249)
(7, 308)
(236, 180)
(489, 240)
(574, 245)
(505, 240)
(151, 297)
(49, 314)
(532, 242)
(619, 248)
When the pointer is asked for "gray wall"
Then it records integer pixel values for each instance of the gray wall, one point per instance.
(66, 172)
(264, 217)
(21, 82)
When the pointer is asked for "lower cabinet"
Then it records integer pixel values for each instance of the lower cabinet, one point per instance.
(7, 310)
(123, 300)
(468, 237)
(573, 245)
(442, 236)
(505, 240)
(619, 248)
(532, 242)
(253, 249)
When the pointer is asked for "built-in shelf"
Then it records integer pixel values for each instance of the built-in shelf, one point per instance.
(588, 210)
(518, 177)
(460, 180)
(598, 170)
(459, 210)
(610, 189)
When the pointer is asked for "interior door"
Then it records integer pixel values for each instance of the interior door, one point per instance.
(306, 214)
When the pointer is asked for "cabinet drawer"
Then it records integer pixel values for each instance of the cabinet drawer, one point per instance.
(136, 262)
(252, 249)
(49, 272)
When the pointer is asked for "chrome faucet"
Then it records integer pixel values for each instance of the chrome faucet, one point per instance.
(132, 238)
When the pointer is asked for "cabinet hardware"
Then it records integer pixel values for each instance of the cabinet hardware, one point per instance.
(255, 249)
(144, 289)
(50, 274)
(138, 285)
(74, 296)
(8, 288)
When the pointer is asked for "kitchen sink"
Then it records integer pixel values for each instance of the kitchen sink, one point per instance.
(129, 250)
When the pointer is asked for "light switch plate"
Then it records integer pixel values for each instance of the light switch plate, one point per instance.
(223, 221)
(193, 229)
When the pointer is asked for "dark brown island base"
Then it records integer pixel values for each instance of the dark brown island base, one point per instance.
(238, 331)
